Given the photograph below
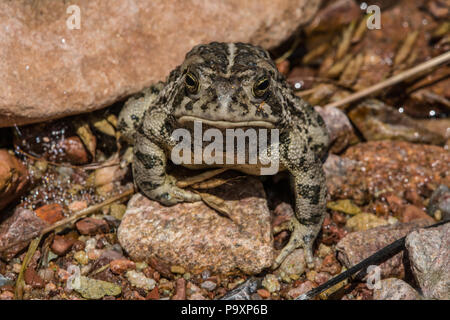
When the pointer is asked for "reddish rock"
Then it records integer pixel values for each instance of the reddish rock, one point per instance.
(17, 229)
(91, 226)
(153, 295)
(74, 151)
(120, 266)
(13, 178)
(301, 289)
(331, 232)
(50, 213)
(33, 279)
(263, 293)
(50, 70)
(61, 245)
(180, 291)
(7, 295)
(330, 265)
(410, 213)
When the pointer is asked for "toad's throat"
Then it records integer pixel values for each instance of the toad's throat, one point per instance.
(224, 124)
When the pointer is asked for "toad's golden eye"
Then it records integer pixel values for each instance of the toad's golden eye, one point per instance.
(260, 87)
(191, 82)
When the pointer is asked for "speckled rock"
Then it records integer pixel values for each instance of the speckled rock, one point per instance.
(373, 168)
(395, 289)
(429, 253)
(357, 246)
(196, 237)
(49, 70)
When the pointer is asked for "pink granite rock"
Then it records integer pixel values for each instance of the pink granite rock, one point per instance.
(48, 70)
(429, 253)
(196, 237)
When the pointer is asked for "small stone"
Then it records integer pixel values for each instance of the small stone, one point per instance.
(153, 294)
(95, 289)
(294, 264)
(121, 265)
(324, 250)
(311, 275)
(365, 221)
(6, 295)
(118, 210)
(50, 287)
(177, 269)
(50, 213)
(301, 289)
(106, 175)
(33, 279)
(345, 206)
(440, 202)
(77, 206)
(5, 281)
(93, 254)
(197, 296)
(271, 283)
(73, 151)
(410, 212)
(208, 285)
(92, 226)
(263, 293)
(180, 293)
(139, 280)
(330, 265)
(394, 289)
(61, 245)
(81, 257)
(141, 265)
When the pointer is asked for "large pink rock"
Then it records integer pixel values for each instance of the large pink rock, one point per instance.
(48, 70)
(196, 237)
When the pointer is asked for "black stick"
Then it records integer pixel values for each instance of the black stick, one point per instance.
(379, 256)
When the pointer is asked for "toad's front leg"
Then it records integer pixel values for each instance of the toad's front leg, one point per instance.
(149, 172)
(309, 185)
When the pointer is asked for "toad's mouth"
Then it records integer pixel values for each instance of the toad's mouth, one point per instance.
(225, 124)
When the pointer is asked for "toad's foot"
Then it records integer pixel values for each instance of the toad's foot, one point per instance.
(169, 194)
(301, 237)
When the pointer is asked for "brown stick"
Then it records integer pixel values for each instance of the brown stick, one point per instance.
(443, 58)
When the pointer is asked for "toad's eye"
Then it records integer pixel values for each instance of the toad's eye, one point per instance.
(191, 82)
(260, 87)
